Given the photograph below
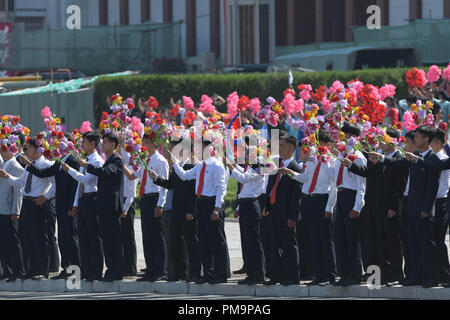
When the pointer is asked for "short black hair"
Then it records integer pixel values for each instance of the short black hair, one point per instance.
(393, 133)
(411, 134)
(350, 129)
(111, 138)
(426, 131)
(411, 99)
(21, 137)
(324, 136)
(289, 139)
(436, 108)
(32, 142)
(439, 135)
(92, 136)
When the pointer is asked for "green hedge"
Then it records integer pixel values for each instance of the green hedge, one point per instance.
(261, 85)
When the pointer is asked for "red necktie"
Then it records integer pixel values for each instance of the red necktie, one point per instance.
(144, 180)
(314, 179)
(202, 181)
(304, 166)
(240, 187)
(273, 195)
(339, 179)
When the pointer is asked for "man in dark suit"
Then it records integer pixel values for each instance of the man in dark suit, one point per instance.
(386, 197)
(283, 204)
(183, 226)
(66, 188)
(423, 188)
(109, 204)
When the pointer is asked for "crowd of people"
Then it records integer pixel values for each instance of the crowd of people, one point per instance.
(326, 219)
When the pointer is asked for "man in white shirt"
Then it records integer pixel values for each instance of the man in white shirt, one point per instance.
(90, 243)
(251, 192)
(350, 200)
(36, 196)
(211, 185)
(319, 195)
(10, 204)
(153, 198)
(440, 223)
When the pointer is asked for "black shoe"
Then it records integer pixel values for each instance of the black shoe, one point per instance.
(290, 283)
(144, 278)
(130, 274)
(327, 282)
(410, 283)
(192, 279)
(270, 282)
(107, 279)
(351, 282)
(240, 271)
(203, 280)
(340, 283)
(173, 279)
(218, 280)
(315, 282)
(38, 277)
(160, 277)
(429, 284)
(62, 275)
(248, 281)
(91, 279)
(53, 270)
(13, 278)
(4, 276)
(25, 277)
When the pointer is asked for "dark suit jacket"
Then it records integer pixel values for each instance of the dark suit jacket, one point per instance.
(289, 191)
(110, 185)
(423, 183)
(387, 183)
(437, 165)
(184, 197)
(66, 186)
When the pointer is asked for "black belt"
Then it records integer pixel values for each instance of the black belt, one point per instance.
(89, 194)
(29, 198)
(147, 195)
(206, 197)
(343, 189)
(247, 199)
(313, 195)
(444, 198)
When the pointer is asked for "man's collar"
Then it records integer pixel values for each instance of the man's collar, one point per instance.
(423, 154)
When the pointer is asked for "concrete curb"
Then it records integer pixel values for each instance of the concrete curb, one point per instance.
(231, 289)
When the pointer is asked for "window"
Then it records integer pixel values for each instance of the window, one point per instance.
(264, 33)
(2, 5)
(11, 6)
(103, 12)
(124, 12)
(246, 34)
(145, 10)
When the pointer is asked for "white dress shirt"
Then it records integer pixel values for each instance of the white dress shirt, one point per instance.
(444, 180)
(253, 183)
(88, 180)
(39, 186)
(325, 183)
(160, 165)
(129, 186)
(352, 181)
(215, 178)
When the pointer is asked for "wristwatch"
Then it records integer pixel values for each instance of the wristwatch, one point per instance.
(216, 212)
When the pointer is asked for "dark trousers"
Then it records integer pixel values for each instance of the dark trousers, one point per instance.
(91, 248)
(112, 245)
(51, 234)
(267, 240)
(440, 226)
(305, 246)
(284, 255)
(252, 251)
(347, 231)
(212, 240)
(26, 262)
(169, 266)
(404, 237)
(421, 248)
(155, 250)
(10, 247)
(68, 239)
(35, 230)
(184, 246)
(367, 234)
(321, 237)
(129, 262)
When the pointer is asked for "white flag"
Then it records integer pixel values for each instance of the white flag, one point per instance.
(291, 78)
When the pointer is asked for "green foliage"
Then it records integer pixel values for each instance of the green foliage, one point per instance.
(230, 198)
(260, 85)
